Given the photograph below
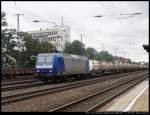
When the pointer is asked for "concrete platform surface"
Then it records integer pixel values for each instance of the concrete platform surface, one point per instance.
(136, 99)
(142, 103)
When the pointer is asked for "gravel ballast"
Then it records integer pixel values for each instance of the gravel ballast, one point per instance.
(50, 101)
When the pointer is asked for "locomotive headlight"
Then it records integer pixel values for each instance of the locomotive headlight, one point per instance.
(38, 70)
(50, 70)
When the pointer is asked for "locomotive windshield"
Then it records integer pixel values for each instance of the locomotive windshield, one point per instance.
(48, 59)
(45, 59)
(41, 59)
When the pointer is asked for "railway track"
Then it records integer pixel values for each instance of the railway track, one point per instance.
(94, 101)
(28, 95)
(18, 78)
(18, 82)
(22, 86)
(25, 82)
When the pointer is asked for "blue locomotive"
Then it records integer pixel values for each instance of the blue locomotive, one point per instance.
(57, 66)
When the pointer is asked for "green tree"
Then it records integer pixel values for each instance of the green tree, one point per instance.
(77, 48)
(20, 46)
(67, 48)
(105, 56)
(129, 61)
(26, 47)
(3, 19)
(91, 53)
(45, 47)
(29, 48)
(8, 44)
(10, 61)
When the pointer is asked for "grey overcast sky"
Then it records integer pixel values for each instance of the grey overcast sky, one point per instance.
(109, 32)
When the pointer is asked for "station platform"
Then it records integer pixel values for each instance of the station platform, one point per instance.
(134, 100)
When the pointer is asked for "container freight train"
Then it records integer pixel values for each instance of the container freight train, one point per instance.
(60, 66)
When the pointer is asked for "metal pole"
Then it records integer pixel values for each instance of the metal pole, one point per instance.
(17, 34)
(62, 21)
(115, 56)
(18, 21)
(115, 53)
(81, 37)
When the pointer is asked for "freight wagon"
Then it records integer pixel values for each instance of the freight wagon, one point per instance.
(8, 73)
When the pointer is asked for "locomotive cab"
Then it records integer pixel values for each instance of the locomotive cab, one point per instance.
(44, 64)
(48, 65)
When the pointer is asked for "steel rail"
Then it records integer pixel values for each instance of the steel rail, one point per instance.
(18, 82)
(69, 105)
(21, 86)
(94, 108)
(23, 96)
(18, 78)
(15, 87)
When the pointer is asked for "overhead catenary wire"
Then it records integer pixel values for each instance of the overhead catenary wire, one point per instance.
(108, 10)
(127, 15)
(27, 12)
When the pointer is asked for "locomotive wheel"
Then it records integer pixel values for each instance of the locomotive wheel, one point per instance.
(58, 79)
(77, 77)
(55, 79)
(13, 76)
(8, 77)
(46, 79)
(61, 78)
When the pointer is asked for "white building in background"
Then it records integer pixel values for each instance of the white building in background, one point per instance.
(57, 36)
